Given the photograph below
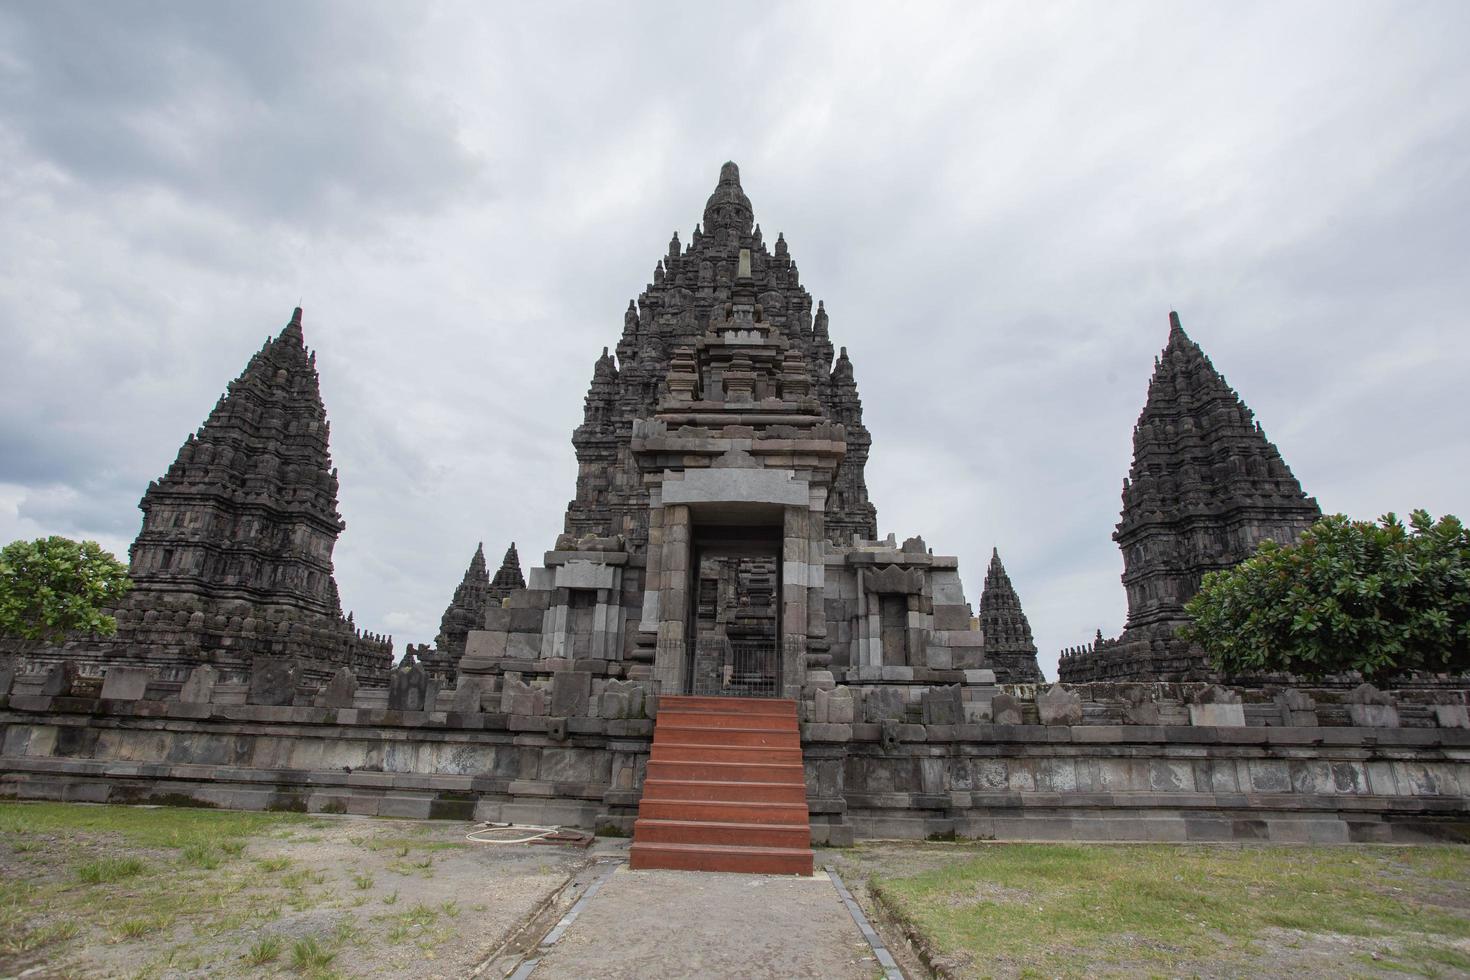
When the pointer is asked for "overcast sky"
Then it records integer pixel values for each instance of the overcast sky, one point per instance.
(999, 203)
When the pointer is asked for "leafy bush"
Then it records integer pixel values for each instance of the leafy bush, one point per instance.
(54, 586)
(1381, 599)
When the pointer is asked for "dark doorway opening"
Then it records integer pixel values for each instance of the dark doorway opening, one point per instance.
(735, 612)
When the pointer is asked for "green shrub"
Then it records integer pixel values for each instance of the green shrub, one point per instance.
(1380, 599)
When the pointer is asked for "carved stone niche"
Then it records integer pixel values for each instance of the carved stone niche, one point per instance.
(894, 605)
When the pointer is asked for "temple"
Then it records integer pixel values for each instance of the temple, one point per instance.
(721, 540)
(1009, 649)
(466, 611)
(1205, 489)
(720, 654)
(234, 559)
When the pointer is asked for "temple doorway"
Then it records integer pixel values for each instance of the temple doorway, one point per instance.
(735, 610)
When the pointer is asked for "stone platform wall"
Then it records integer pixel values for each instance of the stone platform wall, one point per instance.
(882, 778)
(1138, 782)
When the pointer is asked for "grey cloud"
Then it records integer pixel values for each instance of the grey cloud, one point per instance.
(296, 112)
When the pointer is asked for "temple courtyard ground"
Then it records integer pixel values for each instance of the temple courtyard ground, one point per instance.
(94, 891)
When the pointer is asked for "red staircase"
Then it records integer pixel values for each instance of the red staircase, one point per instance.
(724, 789)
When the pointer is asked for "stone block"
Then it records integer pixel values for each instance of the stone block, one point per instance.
(1373, 715)
(7, 678)
(1445, 715)
(898, 673)
(199, 687)
(828, 733)
(1297, 708)
(1368, 694)
(125, 683)
(1215, 694)
(818, 707)
(1217, 715)
(524, 620)
(340, 691)
(977, 712)
(1146, 713)
(1058, 706)
(571, 692)
(980, 676)
(1005, 710)
(842, 708)
(408, 689)
(523, 646)
(272, 682)
(60, 680)
(939, 657)
(468, 693)
(942, 706)
(883, 704)
(621, 700)
(822, 680)
(518, 698)
(951, 617)
(485, 644)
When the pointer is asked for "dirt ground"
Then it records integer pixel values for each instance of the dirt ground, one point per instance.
(321, 896)
(94, 891)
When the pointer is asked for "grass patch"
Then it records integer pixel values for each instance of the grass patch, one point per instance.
(138, 928)
(273, 865)
(31, 940)
(1065, 909)
(148, 826)
(201, 854)
(311, 954)
(362, 882)
(106, 870)
(263, 951)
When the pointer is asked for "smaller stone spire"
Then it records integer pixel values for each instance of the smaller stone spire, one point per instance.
(466, 610)
(1010, 650)
(508, 578)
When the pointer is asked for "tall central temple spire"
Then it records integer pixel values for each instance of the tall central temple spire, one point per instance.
(691, 292)
(728, 209)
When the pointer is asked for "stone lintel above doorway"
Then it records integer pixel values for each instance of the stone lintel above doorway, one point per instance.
(731, 485)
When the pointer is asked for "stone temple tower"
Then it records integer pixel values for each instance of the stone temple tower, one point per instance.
(1205, 489)
(234, 559)
(1009, 649)
(721, 540)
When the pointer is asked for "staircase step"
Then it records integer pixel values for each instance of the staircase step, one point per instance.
(695, 752)
(724, 811)
(725, 789)
(704, 857)
(769, 737)
(760, 706)
(791, 773)
(654, 831)
(727, 719)
(657, 788)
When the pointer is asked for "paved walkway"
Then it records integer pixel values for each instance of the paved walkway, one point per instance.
(656, 924)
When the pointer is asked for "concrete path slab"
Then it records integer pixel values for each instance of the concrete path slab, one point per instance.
(671, 924)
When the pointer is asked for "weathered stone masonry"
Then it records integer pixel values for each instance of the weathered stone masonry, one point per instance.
(721, 539)
(234, 559)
